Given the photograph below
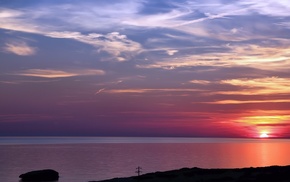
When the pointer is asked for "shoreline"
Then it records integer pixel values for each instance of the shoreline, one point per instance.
(263, 174)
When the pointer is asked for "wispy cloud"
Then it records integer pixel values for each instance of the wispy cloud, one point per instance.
(268, 85)
(168, 19)
(128, 13)
(143, 90)
(9, 13)
(171, 52)
(249, 101)
(202, 82)
(67, 17)
(270, 7)
(184, 16)
(50, 73)
(108, 15)
(114, 43)
(99, 91)
(248, 86)
(32, 20)
(20, 48)
(17, 20)
(276, 58)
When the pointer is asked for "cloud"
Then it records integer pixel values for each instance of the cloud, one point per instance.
(171, 52)
(249, 101)
(17, 20)
(191, 17)
(99, 91)
(9, 13)
(113, 43)
(275, 122)
(168, 19)
(82, 14)
(270, 7)
(264, 119)
(60, 16)
(246, 91)
(142, 90)
(50, 73)
(129, 14)
(31, 19)
(115, 15)
(202, 82)
(284, 24)
(259, 86)
(19, 48)
(251, 55)
(241, 7)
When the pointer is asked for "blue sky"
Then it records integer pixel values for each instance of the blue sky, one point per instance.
(144, 67)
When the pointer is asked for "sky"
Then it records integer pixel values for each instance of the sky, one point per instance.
(179, 68)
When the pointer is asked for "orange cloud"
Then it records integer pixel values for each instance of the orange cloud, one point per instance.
(248, 101)
(49, 73)
(255, 56)
(263, 119)
(259, 86)
(149, 90)
(202, 82)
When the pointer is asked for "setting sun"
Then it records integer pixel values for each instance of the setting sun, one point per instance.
(264, 135)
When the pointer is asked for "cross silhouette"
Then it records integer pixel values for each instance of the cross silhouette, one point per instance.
(138, 170)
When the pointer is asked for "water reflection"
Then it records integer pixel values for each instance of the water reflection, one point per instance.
(97, 161)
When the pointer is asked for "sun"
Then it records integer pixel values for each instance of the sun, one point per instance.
(264, 135)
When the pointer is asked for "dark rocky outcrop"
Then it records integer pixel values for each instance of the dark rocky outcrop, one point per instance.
(41, 175)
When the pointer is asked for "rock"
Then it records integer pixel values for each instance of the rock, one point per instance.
(41, 175)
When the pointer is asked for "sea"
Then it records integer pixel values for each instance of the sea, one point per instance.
(83, 159)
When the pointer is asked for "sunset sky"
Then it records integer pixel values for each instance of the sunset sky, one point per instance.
(192, 68)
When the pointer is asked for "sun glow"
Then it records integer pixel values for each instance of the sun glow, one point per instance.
(265, 124)
(264, 135)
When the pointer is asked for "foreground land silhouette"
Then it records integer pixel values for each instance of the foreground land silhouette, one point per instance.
(263, 174)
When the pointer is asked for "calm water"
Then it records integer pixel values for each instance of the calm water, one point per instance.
(85, 159)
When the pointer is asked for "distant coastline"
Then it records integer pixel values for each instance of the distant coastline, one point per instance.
(265, 174)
